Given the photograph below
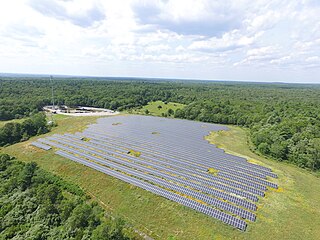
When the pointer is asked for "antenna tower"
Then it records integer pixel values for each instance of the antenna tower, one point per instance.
(52, 98)
(52, 95)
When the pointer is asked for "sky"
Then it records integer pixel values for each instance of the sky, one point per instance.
(260, 40)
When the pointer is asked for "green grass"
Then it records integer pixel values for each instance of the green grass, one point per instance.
(2, 123)
(292, 212)
(153, 109)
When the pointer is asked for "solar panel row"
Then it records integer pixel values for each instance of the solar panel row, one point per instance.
(173, 161)
(220, 156)
(198, 156)
(217, 163)
(41, 145)
(135, 132)
(251, 186)
(143, 168)
(193, 178)
(205, 178)
(109, 146)
(215, 202)
(238, 223)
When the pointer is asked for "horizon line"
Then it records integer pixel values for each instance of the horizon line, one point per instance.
(2, 74)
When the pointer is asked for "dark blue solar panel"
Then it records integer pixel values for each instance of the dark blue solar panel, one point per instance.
(174, 158)
(238, 223)
(41, 145)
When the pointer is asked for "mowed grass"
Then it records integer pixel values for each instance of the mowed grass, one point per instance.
(153, 109)
(292, 212)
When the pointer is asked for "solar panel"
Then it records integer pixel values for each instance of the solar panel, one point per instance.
(238, 223)
(173, 161)
(190, 168)
(164, 175)
(245, 165)
(215, 202)
(41, 145)
(187, 176)
(219, 164)
(247, 188)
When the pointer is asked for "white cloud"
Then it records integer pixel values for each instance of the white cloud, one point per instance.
(260, 56)
(282, 60)
(95, 37)
(313, 59)
(81, 13)
(228, 42)
(157, 48)
(264, 21)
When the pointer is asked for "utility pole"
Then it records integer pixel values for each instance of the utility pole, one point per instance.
(52, 98)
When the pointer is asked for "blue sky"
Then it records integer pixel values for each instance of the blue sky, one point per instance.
(262, 40)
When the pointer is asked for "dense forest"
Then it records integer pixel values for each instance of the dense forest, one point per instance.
(283, 119)
(34, 204)
(14, 132)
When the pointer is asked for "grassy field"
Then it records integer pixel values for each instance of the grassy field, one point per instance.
(2, 123)
(153, 109)
(292, 212)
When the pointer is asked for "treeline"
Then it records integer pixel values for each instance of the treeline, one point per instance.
(283, 131)
(11, 110)
(296, 139)
(14, 132)
(20, 97)
(283, 118)
(34, 204)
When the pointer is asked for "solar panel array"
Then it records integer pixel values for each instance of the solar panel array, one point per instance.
(41, 145)
(170, 158)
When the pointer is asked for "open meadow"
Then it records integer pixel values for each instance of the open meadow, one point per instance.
(157, 108)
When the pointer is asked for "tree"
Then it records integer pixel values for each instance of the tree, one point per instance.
(49, 194)
(5, 161)
(6, 134)
(274, 113)
(41, 211)
(39, 122)
(26, 175)
(114, 105)
(264, 148)
(80, 216)
(170, 112)
(28, 127)
(314, 152)
(14, 132)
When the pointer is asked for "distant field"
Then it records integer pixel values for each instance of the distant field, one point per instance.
(2, 123)
(153, 108)
(293, 212)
